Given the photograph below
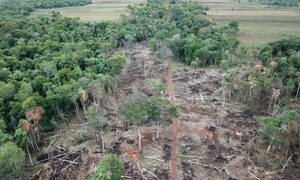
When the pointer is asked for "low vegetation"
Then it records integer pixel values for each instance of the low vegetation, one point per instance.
(282, 132)
(281, 3)
(110, 168)
(147, 110)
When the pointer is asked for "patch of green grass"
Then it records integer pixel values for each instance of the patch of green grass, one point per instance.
(253, 34)
(92, 12)
(177, 66)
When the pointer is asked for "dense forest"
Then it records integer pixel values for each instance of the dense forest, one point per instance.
(55, 66)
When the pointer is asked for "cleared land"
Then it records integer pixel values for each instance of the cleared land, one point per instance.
(258, 24)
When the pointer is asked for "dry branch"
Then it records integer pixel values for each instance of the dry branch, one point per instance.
(54, 138)
(155, 158)
(144, 169)
(207, 166)
(226, 169)
(280, 170)
(30, 159)
(141, 171)
(253, 175)
(286, 163)
(140, 141)
(59, 147)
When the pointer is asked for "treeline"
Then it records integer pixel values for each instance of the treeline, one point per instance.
(58, 3)
(283, 59)
(185, 28)
(44, 62)
(274, 75)
(19, 8)
(280, 3)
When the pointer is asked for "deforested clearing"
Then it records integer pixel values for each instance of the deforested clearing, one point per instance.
(133, 89)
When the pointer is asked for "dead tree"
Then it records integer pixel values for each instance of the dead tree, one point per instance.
(274, 98)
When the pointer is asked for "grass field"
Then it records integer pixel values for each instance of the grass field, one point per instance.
(92, 12)
(258, 24)
(98, 11)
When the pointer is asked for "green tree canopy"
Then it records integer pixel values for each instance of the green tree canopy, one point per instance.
(11, 161)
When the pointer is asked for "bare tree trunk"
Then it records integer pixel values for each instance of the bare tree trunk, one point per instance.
(117, 137)
(30, 159)
(140, 142)
(84, 108)
(102, 140)
(76, 107)
(270, 104)
(298, 88)
(157, 131)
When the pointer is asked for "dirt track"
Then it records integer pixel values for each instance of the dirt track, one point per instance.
(174, 170)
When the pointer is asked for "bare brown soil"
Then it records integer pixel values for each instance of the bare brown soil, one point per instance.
(174, 125)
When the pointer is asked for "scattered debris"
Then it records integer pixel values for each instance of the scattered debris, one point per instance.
(188, 172)
(167, 152)
(61, 162)
(212, 125)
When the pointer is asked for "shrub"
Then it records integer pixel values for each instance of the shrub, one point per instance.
(4, 137)
(282, 131)
(2, 125)
(234, 25)
(155, 85)
(225, 64)
(11, 161)
(110, 168)
(97, 120)
(148, 109)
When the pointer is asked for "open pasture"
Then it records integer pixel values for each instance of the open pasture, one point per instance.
(98, 11)
(258, 24)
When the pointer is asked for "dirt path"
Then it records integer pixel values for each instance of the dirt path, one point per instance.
(174, 170)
